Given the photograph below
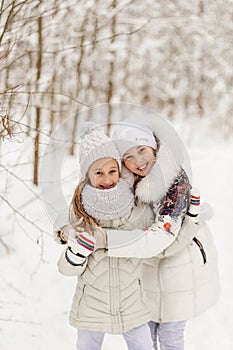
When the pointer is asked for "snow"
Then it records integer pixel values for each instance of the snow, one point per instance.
(35, 299)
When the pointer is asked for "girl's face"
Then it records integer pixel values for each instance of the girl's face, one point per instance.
(139, 160)
(104, 173)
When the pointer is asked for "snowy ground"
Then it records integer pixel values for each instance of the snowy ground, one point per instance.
(35, 299)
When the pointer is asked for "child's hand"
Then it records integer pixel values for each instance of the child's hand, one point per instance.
(61, 235)
(81, 243)
(165, 224)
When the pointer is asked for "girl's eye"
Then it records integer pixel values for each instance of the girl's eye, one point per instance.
(112, 171)
(98, 173)
(128, 157)
(142, 149)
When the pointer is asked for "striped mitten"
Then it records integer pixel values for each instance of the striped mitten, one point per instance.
(194, 207)
(80, 245)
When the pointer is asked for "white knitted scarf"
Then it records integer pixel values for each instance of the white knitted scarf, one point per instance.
(109, 204)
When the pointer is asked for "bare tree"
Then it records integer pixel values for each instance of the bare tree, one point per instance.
(38, 109)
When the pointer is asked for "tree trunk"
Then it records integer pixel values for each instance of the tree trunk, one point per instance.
(38, 110)
(112, 65)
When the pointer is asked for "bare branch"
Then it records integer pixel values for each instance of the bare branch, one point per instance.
(42, 231)
(15, 320)
(118, 34)
(44, 92)
(20, 180)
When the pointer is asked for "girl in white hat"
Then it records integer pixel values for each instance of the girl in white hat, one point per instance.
(181, 281)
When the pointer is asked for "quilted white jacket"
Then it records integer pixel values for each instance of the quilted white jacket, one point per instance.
(182, 278)
(109, 296)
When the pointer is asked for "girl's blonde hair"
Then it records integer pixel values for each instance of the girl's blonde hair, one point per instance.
(87, 222)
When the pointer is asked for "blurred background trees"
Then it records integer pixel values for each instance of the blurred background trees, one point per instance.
(58, 56)
(174, 57)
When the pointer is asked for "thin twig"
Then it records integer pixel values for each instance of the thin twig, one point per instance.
(19, 321)
(25, 218)
(44, 93)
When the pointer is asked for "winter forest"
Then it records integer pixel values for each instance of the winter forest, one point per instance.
(58, 57)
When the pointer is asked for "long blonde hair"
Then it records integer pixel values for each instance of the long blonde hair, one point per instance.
(88, 223)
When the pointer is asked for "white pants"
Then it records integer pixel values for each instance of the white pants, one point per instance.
(136, 339)
(170, 335)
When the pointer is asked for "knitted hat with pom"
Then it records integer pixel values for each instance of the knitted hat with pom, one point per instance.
(95, 145)
(127, 136)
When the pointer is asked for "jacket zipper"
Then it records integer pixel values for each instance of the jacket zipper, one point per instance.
(161, 291)
(114, 282)
(200, 246)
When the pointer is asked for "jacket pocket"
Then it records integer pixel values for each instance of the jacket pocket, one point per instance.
(142, 292)
(201, 249)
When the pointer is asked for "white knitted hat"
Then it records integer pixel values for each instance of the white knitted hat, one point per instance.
(126, 136)
(95, 145)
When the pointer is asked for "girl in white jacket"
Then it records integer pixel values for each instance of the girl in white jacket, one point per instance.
(109, 297)
(182, 281)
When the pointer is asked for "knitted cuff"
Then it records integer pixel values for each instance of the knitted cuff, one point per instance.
(194, 207)
(74, 259)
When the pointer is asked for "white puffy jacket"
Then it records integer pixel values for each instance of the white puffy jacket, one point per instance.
(109, 296)
(182, 280)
